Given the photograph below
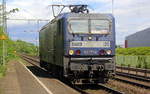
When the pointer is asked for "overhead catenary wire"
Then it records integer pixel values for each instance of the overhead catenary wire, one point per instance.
(38, 22)
(4, 24)
(29, 19)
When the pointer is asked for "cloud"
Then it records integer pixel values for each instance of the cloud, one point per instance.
(38, 9)
(131, 15)
(31, 9)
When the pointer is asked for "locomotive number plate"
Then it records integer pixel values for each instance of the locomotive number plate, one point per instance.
(90, 44)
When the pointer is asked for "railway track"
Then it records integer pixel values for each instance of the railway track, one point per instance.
(132, 82)
(137, 77)
(108, 89)
(35, 62)
(97, 87)
(134, 72)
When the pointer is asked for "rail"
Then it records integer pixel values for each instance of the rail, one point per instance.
(133, 76)
(100, 86)
(110, 90)
(136, 70)
(97, 87)
(133, 83)
(133, 69)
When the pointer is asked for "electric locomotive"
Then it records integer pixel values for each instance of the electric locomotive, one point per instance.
(79, 45)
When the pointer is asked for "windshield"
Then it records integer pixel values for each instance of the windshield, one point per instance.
(100, 26)
(78, 26)
(96, 26)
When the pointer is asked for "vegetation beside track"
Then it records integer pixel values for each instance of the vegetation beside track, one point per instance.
(133, 51)
(2, 67)
(136, 57)
(134, 61)
(13, 47)
(2, 71)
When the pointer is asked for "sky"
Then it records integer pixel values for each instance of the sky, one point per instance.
(130, 16)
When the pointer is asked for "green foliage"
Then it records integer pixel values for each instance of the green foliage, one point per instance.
(133, 51)
(19, 46)
(14, 10)
(24, 47)
(2, 70)
(134, 61)
(13, 47)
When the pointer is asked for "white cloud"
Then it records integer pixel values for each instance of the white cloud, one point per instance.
(29, 9)
(131, 15)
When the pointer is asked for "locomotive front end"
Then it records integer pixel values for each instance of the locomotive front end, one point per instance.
(90, 47)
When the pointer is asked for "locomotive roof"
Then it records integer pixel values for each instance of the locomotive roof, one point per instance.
(81, 15)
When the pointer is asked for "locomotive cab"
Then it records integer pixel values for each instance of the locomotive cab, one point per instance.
(90, 46)
(79, 46)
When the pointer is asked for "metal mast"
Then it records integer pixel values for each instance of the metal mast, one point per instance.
(4, 29)
(112, 6)
(4, 16)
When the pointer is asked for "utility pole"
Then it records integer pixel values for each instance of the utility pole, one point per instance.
(38, 23)
(112, 6)
(5, 33)
(4, 29)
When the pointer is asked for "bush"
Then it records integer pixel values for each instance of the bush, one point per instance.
(134, 61)
(133, 51)
(13, 47)
(24, 47)
(2, 70)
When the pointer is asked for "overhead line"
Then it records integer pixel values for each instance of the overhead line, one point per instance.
(30, 19)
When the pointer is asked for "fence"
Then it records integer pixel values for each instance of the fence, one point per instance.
(134, 61)
(134, 71)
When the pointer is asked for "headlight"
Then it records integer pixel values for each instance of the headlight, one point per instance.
(108, 52)
(71, 52)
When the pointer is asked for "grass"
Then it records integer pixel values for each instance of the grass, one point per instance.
(2, 70)
(133, 51)
(13, 47)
